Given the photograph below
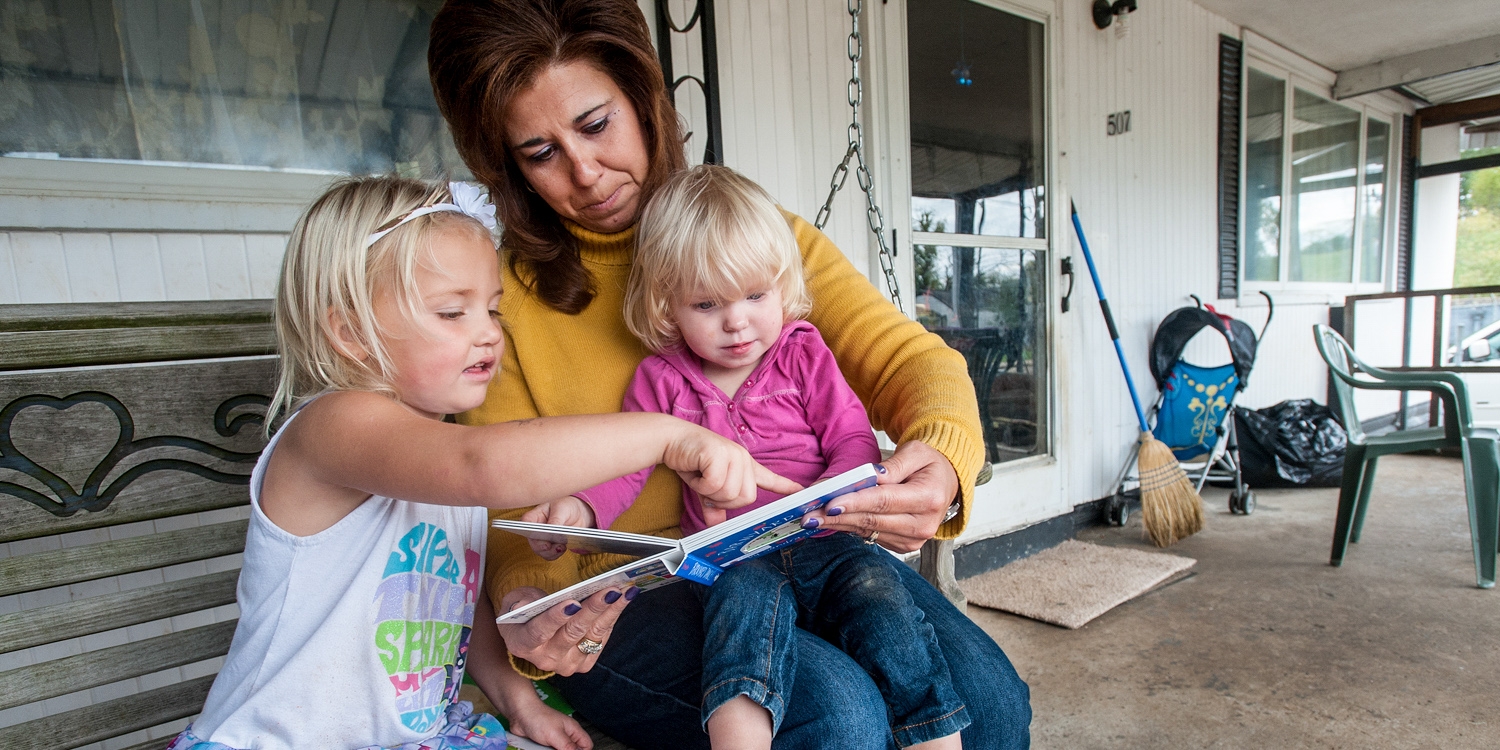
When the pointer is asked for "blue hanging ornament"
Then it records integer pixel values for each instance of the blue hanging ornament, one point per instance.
(962, 75)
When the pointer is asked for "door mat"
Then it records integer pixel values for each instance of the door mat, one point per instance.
(1074, 582)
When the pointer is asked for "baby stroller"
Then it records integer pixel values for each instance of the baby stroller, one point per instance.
(1194, 415)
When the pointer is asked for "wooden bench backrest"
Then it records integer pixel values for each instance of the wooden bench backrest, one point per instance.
(127, 436)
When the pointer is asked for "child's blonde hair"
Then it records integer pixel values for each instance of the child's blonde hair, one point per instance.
(710, 230)
(329, 280)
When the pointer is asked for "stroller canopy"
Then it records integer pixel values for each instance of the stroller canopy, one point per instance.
(1183, 324)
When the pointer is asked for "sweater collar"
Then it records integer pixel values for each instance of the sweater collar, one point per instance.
(615, 249)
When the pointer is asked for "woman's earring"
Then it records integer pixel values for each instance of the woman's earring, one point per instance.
(530, 189)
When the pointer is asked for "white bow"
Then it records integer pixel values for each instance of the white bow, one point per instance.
(472, 203)
(467, 200)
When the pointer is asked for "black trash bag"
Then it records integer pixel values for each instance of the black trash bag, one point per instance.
(1295, 443)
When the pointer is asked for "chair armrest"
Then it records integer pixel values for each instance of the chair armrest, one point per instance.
(1448, 386)
(1453, 379)
(1459, 407)
(1426, 380)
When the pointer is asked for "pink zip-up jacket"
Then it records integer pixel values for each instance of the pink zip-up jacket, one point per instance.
(795, 414)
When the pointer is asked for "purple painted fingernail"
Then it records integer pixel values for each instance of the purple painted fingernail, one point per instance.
(611, 597)
(812, 523)
(835, 510)
(880, 469)
(631, 593)
(571, 609)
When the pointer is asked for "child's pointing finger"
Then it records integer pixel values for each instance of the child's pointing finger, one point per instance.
(771, 481)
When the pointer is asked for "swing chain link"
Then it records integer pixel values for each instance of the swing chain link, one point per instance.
(856, 152)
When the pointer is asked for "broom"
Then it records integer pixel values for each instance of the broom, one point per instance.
(1170, 508)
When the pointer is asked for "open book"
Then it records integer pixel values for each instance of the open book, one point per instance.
(700, 557)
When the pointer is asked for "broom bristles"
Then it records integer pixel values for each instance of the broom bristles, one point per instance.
(1170, 508)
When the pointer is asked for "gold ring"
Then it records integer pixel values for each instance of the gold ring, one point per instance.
(872, 537)
(590, 646)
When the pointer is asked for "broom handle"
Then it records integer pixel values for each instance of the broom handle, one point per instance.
(1109, 320)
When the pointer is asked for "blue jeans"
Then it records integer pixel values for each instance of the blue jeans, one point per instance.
(848, 593)
(646, 689)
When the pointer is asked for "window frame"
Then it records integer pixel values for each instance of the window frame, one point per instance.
(890, 117)
(1298, 73)
(110, 195)
(129, 195)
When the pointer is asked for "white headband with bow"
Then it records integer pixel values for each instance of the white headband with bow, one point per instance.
(467, 200)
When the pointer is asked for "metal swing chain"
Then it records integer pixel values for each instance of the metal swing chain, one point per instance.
(862, 174)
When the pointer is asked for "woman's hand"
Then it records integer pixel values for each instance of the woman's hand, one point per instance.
(569, 511)
(550, 641)
(907, 506)
(721, 471)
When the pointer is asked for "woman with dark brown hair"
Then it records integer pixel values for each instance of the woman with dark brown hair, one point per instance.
(560, 108)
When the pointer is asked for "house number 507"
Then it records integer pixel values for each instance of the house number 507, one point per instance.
(1119, 122)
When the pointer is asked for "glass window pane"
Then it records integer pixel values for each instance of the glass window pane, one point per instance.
(1372, 241)
(1325, 155)
(258, 83)
(989, 304)
(1264, 123)
(977, 120)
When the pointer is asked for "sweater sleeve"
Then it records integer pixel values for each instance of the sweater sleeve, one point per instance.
(914, 386)
(612, 498)
(833, 411)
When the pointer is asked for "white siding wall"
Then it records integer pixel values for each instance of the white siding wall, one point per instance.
(784, 72)
(65, 266)
(1148, 203)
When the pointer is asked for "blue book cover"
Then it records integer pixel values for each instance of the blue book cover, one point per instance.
(700, 557)
(770, 528)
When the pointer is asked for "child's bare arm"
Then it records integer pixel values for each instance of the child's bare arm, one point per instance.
(354, 444)
(513, 694)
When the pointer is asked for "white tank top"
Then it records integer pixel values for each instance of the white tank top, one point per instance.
(352, 637)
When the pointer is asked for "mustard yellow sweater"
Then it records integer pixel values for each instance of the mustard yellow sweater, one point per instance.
(914, 386)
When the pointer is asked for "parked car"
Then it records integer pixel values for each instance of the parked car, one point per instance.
(1482, 345)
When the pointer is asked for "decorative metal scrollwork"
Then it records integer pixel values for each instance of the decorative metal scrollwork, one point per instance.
(703, 19)
(94, 495)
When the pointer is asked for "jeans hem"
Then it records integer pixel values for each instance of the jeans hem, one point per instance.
(757, 691)
(952, 722)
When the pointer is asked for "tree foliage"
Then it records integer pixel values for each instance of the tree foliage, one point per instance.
(1477, 254)
(925, 256)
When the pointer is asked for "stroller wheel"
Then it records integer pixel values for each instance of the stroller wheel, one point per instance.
(1118, 510)
(1242, 504)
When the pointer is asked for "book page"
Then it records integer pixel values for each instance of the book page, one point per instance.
(589, 541)
(646, 574)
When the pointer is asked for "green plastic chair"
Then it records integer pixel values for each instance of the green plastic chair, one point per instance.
(1480, 448)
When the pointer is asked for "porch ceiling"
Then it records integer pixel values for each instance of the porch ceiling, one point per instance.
(1345, 34)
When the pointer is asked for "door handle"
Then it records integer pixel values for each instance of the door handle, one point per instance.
(1067, 270)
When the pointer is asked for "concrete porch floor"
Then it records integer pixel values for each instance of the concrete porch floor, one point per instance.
(1267, 646)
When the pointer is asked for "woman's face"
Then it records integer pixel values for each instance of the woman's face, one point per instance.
(578, 141)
